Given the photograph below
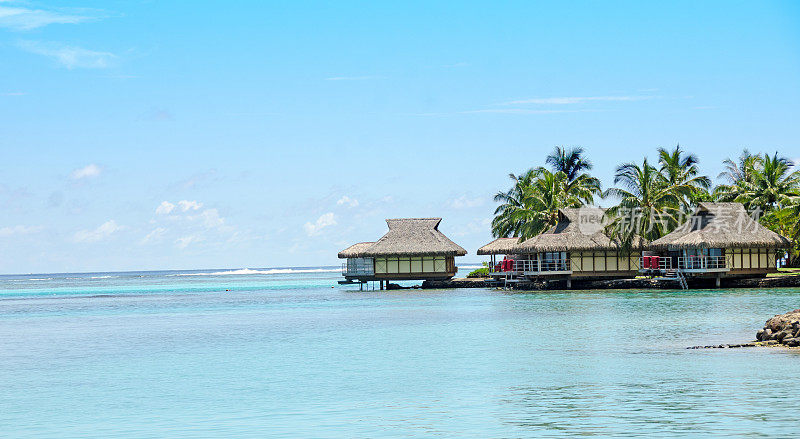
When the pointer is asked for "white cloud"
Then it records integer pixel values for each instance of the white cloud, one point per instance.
(103, 231)
(18, 230)
(796, 162)
(186, 205)
(345, 200)
(154, 236)
(88, 171)
(184, 241)
(21, 19)
(464, 202)
(164, 208)
(577, 100)
(323, 221)
(211, 218)
(70, 57)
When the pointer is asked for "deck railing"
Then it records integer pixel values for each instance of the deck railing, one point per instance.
(701, 262)
(357, 269)
(533, 266)
(664, 263)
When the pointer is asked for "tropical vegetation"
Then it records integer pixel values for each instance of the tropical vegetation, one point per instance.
(650, 199)
(531, 205)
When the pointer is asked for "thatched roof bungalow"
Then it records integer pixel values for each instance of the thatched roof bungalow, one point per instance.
(412, 249)
(500, 246)
(721, 239)
(576, 247)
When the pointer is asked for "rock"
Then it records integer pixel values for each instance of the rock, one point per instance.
(767, 334)
(791, 342)
(770, 342)
(759, 334)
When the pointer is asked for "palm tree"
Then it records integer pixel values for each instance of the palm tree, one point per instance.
(649, 205)
(761, 182)
(574, 165)
(571, 162)
(531, 206)
(680, 169)
(741, 170)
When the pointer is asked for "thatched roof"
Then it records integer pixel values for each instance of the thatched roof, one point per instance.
(500, 246)
(355, 249)
(720, 225)
(578, 229)
(408, 237)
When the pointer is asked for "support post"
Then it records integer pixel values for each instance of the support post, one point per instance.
(717, 281)
(569, 283)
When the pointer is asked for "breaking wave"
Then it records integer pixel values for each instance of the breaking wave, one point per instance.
(268, 271)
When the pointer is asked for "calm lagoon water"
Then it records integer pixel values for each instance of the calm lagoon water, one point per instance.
(292, 354)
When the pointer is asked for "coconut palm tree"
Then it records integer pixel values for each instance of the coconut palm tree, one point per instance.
(760, 182)
(680, 169)
(574, 165)
(569, 161)
(531, 205)
(649, 206)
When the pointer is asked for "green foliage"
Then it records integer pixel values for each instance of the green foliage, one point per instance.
(531, 205)
(658, 195)
(480, 272)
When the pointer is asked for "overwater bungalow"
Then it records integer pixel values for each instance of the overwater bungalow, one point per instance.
(496, 248)
(575, 248)
(412, 249)
(718, 240)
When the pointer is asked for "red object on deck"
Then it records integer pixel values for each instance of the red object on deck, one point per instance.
(510, 265)
(504, 264)
(498, 267)
(645, 261)
(654, 262)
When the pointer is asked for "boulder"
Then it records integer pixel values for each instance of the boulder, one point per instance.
(760, 334)
(791, 342)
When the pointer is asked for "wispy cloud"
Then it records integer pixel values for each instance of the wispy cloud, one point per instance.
(326, 220)
(103, 231)
(164, 208)
(522, 111)
(19, 230)
(568, 100)
(70, 57)
(22, 18)
(347, 201)
(465, 202)
(353, 78)
(186, 205)
(155, 235)
(88, 171)
(184, 241)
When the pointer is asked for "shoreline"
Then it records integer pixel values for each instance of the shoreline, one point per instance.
(617, 284)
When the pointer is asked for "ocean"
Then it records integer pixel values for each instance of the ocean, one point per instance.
(289, 353)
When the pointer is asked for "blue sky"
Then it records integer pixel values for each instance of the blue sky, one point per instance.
(161, 135)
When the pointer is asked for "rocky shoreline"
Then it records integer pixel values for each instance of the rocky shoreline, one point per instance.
(782, 329)
(618, 284)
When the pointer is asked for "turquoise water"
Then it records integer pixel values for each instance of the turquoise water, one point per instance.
(294, 355)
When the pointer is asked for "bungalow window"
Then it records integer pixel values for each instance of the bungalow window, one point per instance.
(554, 261)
